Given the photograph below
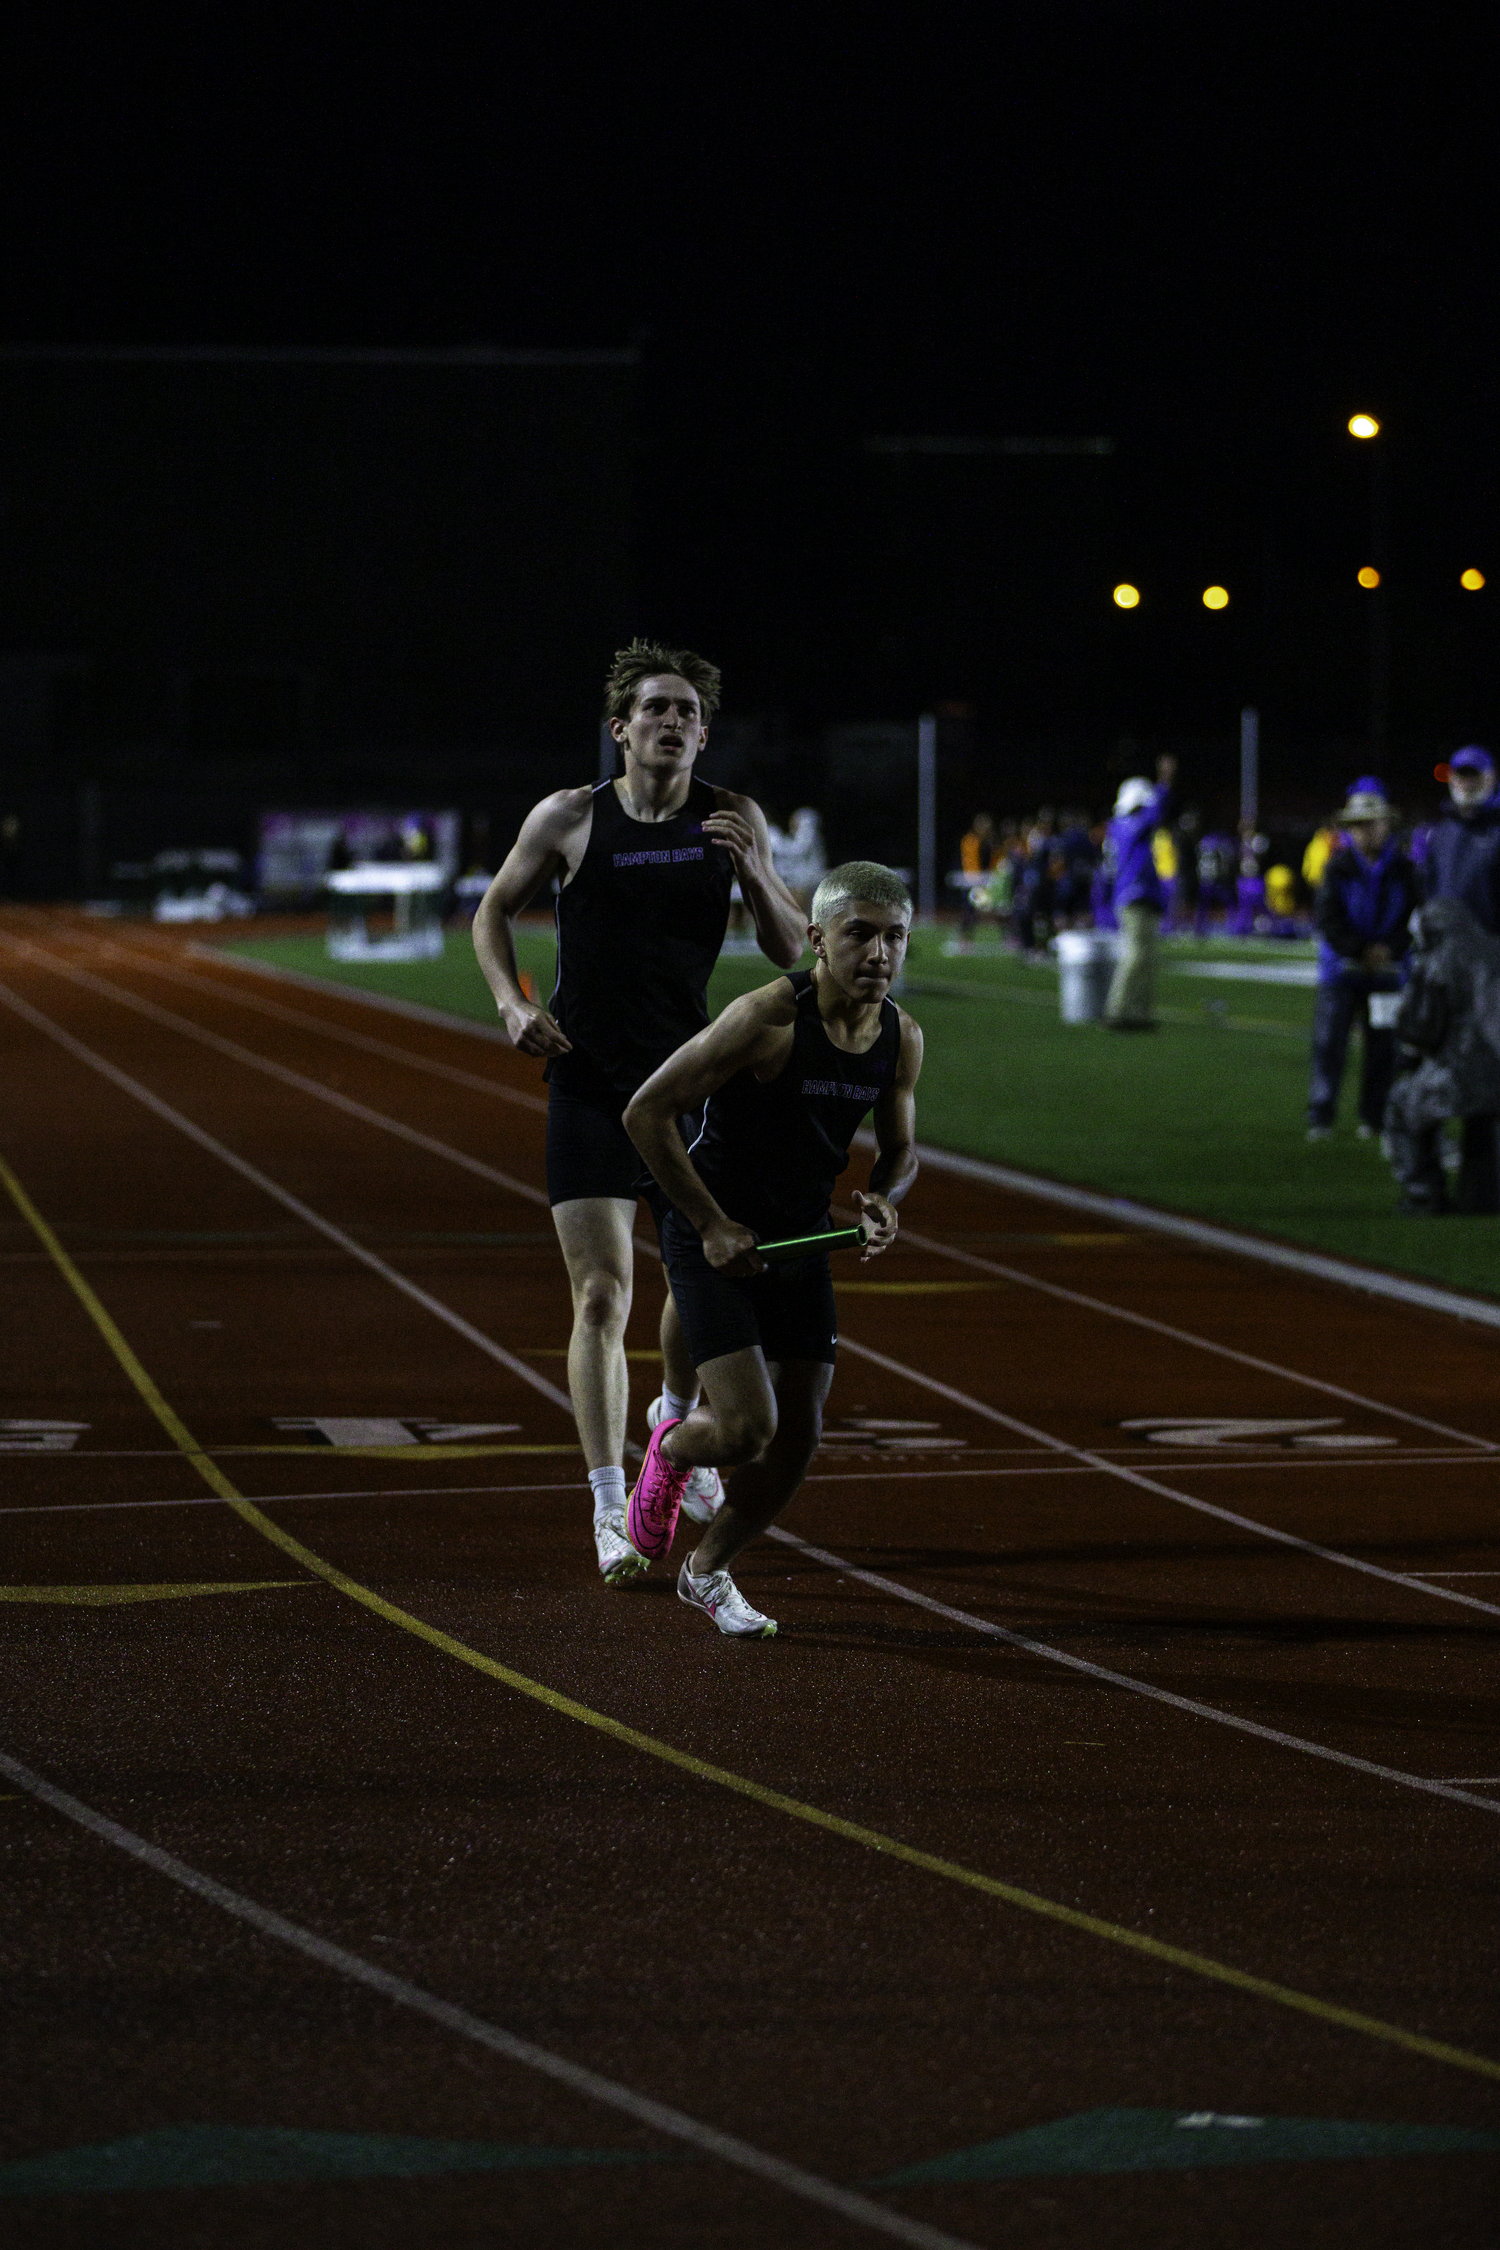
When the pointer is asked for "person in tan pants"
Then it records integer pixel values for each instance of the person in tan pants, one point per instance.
(1137, 896)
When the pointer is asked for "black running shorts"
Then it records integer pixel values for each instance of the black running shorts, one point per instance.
(589, 1151)
(789, 1311)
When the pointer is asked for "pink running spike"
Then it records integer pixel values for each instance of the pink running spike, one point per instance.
(651, 1512)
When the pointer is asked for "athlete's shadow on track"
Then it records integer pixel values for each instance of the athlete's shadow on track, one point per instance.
(1411, 1555)
(1303, 1700)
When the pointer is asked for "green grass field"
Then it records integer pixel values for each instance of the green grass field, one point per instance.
(1205, 1116)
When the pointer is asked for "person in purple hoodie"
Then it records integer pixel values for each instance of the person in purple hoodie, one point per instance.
(1365, 902)
(1137, 896)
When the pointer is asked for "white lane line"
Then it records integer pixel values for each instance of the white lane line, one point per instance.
(1150, 1484)
(267, 1499)
(357, 1109)
(333, 988)
(1191, 1468)
(95, 1507)
(283, 1196)
(122, 997)
(1029, 1643)
(1237, 1465)
(939, 1159)
(1187, 1336)
(1120, 1209)
(154, 965)
(433, 1304)
(658, 2117)
(983, 1456)
(1034, 1646)
(557, 1484)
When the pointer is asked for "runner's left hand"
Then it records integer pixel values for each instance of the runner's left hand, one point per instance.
(734, 832)
(880, 1216)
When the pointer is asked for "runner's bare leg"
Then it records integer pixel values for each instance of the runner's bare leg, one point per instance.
(680, 1374)
(594, 1231)
(769, 1420)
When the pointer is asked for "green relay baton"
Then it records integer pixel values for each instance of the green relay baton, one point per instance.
(804, 1245)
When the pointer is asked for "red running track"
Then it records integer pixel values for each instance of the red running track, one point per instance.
(1092, 1771)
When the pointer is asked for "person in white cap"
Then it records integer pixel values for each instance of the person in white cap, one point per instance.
(1137, 896)
(1462, 868)
(1463, 858)
(1364, 904)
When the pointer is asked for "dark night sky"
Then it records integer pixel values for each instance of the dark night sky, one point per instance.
(1207, 234)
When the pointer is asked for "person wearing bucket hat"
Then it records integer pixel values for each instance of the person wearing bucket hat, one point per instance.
(1137, 896)
(1364, 904)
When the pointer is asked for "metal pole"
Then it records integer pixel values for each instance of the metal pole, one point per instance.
(1380, 608)
(608, 752)
(90, 838)
(1250, 765)
(927, 817)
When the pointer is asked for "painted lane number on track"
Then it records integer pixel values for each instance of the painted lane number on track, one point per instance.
(1325, 1434)
(40, 1437)
(891, 1435)
(360, 1430)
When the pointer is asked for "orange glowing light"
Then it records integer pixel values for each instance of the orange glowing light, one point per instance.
(1369, 576)
(1471, 580)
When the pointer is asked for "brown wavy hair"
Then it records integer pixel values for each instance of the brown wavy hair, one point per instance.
(644, 658)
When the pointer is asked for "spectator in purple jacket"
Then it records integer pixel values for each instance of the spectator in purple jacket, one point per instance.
(1364, 905)
(1137, 896)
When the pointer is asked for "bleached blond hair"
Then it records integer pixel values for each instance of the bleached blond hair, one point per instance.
(858, 880)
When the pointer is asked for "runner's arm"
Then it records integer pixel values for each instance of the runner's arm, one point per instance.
(753, 1032)
(780, 924)
(895, 1122)
(538, 853)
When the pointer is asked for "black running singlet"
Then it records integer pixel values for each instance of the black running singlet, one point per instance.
(639, 928)
(771, 1152)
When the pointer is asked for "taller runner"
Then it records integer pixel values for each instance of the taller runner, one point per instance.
(644, 864)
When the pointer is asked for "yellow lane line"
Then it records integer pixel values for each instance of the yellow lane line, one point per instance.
(870, 1839)
(176, 1429)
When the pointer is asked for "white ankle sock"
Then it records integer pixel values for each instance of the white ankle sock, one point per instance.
(678, 1408)
(608, 1488)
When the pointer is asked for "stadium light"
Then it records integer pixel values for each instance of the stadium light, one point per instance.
(1127, 597)
(1471, 581)
(1363, 426)
(1216, 597)
(1369, 576)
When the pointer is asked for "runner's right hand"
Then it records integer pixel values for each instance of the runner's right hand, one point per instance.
(730, 1249)
(532, 1030)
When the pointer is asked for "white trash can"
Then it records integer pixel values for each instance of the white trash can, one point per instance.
(1086, 963)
